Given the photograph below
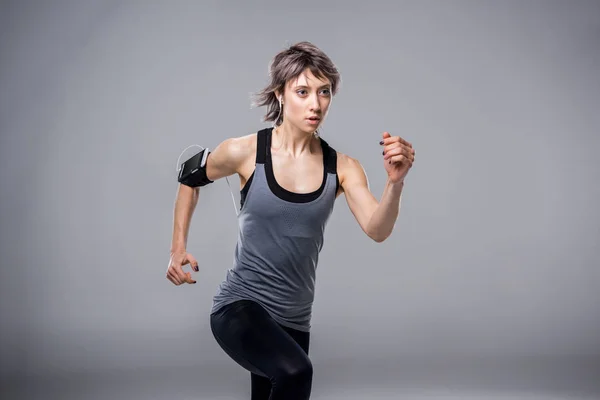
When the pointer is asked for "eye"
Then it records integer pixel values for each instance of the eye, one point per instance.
(302, 92)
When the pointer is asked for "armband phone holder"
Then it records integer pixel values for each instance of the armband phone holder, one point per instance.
(193, 171)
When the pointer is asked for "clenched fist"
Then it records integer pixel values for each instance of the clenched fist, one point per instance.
(398, 157)
(175, 271)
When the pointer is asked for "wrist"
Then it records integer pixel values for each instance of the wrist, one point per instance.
(178, 249)
(397, 185)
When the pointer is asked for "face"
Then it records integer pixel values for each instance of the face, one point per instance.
(306, 101)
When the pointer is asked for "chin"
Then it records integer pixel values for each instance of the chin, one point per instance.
(309, 128)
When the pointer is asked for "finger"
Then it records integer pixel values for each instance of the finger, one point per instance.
(172, 277)
(391, 146)
(178, 270)
(400, 159)
(188, 278)
(384, 137)
(193, 262)
(399, 151)
(169, 277)
(392, 139)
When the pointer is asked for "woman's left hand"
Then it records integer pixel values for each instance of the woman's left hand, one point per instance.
(398, 157)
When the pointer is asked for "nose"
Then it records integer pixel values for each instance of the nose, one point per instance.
(315, 104)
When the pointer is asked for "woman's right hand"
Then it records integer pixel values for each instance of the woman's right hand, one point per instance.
(175, 271)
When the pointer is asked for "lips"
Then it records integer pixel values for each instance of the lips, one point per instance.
(314, 118)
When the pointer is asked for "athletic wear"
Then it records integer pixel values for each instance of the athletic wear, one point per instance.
(276, 356)
(279, 241)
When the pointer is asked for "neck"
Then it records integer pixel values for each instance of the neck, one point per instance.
(291, 140)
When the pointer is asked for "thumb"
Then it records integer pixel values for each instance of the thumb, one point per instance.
(386, 135)
(193, 262)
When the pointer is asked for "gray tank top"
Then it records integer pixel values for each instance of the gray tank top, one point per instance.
(279, 240)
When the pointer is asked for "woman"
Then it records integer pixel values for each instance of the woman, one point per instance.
(290, 178)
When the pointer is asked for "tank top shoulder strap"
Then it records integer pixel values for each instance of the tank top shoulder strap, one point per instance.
(330, 157)
(261, 146)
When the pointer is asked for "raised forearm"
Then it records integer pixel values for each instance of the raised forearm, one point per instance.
(185, 203)
(386, 213)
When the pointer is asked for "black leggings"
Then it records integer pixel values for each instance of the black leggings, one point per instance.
(276, 356)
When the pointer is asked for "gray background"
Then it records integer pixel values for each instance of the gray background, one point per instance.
(494, 258)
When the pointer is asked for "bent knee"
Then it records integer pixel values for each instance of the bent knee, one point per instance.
(294, 374)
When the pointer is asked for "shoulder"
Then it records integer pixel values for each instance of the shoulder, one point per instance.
(347, 162)
(349, 169)
(230, 155)
(240, 145)
(344, 161)
(237, 149)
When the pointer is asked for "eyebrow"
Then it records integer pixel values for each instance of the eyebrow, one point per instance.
(304, 86)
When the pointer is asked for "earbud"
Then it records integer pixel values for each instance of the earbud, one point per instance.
(280, 109)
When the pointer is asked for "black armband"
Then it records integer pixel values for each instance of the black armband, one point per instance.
(193, 171)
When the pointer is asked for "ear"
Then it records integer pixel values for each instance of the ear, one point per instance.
(279, 95)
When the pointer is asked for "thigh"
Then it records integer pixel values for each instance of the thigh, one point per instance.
(300, 337)
(260, 386)
(248, 334)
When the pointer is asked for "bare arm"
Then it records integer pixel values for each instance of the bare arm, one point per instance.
(223, 161)
(377, 219)
(185, 204)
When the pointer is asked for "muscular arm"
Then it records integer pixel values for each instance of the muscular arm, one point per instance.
(377, 219)
(185, 203)
(223, 161)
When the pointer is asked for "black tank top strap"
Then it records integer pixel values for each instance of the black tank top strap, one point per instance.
(261, 146)
(329, 157)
